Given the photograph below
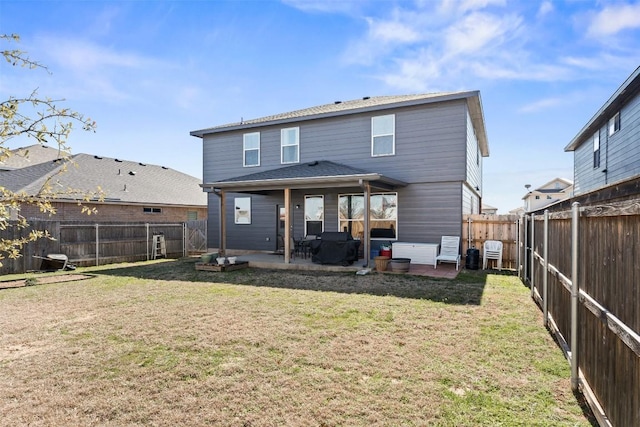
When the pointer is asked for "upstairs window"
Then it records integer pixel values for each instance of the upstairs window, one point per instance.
(614, 124)
(251, 149)
(596, 150)
(383, 140)
(290, 145)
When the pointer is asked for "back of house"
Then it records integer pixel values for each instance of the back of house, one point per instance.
(414, 162)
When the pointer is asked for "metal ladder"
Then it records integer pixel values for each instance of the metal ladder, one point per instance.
(159, 246)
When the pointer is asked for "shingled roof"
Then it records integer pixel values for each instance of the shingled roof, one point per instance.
(305, 175)
(365, 104)
(122, 181)
(28, 156)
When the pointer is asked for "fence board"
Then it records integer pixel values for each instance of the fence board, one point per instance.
(478, 228)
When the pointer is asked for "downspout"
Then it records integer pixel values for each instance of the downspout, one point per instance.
(366, 235)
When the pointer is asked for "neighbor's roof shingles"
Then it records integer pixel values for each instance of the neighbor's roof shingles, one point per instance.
(122, 181)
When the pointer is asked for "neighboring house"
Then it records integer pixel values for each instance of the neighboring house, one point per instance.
(488, 209)
(607, 149)
(133, 191)
(554, 191)
(29, 156)
(413, 162)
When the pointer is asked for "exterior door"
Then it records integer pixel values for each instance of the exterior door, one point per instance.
(280, 214)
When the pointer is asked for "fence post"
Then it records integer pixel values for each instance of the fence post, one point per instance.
(532, 254)
(97, 244)
(184, 238)
(147, 242)
(575, 216)
(545, 277)
(519, 246)
(525, 243)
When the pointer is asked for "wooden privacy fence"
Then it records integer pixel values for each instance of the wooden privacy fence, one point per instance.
(583, 268)
(87, 243)
(478, 228)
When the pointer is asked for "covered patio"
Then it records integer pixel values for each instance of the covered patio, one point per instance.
(312, 176)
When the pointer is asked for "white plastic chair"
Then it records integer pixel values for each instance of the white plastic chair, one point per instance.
(449, 251)
(492, 250)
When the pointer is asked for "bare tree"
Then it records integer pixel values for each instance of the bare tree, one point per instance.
(39, 118)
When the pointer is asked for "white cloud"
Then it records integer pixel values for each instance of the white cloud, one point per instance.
(82, 56)
(545, 8)
(615, 18)
(468, 5)
(542, 104)
(392, 31)
(478, 30)
(324, 6)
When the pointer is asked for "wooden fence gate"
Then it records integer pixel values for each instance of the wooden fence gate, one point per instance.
(478, 228)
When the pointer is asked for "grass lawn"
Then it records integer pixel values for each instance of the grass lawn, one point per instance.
(160, 343)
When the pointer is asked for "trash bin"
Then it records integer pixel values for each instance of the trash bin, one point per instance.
(473, 258)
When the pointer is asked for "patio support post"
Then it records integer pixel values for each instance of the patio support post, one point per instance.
(575, 291)
(287, 225)
(366, 235)
(223, 223)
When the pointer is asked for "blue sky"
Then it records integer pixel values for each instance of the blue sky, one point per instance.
(149, 72)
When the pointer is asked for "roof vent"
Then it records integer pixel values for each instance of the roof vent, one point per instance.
(364, 98)
(119, 172)
(118, 160)
(142, 164)
(338, 102)
(132, 173)
(313, 163)
(125, 188)
(164, 167)
(97, 157)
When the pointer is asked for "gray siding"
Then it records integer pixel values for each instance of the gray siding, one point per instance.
(623, 147)
(470, 201)
(430, 145)
(619, 153)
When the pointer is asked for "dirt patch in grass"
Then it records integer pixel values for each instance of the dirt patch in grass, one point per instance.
(162, 344)
(42, 280)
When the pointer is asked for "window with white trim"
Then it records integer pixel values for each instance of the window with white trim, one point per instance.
(313, 215)
(251, 149)
(290, 145)
(614, 124)
(596, 150)
(383, 215)
(383, 139)
(242, 210)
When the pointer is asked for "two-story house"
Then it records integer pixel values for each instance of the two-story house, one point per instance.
(607, 149)
(554, 191)
(385, 169)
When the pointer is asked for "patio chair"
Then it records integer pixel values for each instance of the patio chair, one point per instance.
(492, 250)
(294, 247)
(449, 251)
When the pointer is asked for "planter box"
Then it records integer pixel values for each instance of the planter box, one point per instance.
(225, 267)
